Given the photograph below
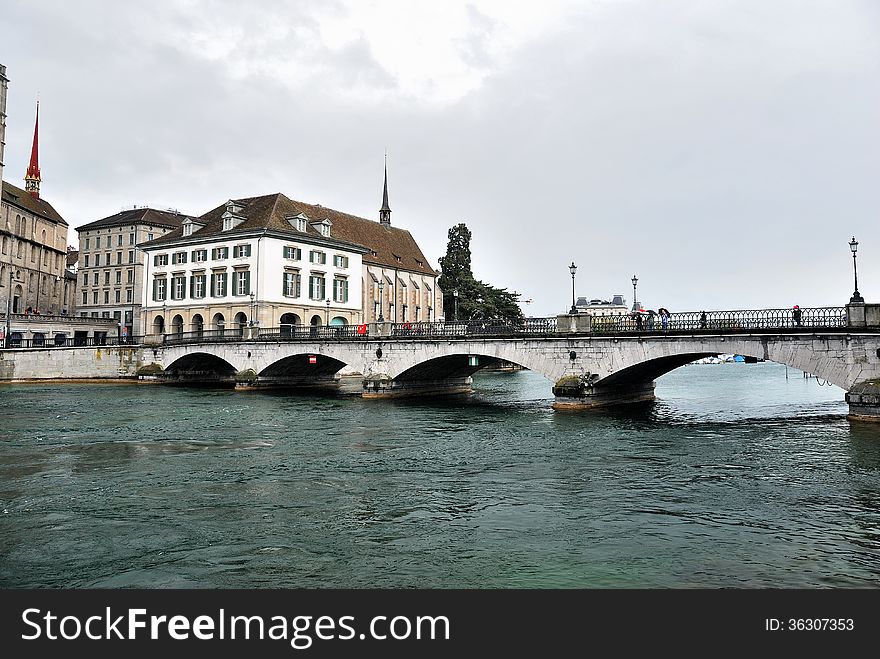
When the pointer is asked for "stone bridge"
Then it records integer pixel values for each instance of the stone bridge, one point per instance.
(587, 368)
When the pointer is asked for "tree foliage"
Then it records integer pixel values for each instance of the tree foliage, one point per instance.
(476, 299)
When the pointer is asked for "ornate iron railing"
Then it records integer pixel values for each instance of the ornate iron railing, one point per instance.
(722, 321)
(15, 341)
(692, 322)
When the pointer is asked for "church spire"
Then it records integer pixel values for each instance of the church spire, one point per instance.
(32, 177)
(385, 211)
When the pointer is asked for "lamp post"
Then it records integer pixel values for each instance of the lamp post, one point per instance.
(455, 298)
(572, 269)
(327, 314)
(8, 309)
(381, 300)
(854, 246)
(635, 280)
(253, 309)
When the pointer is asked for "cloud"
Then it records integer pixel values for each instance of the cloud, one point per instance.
(723, 152)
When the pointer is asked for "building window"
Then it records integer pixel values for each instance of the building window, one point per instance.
(178, 258)
(316, 287)
(242, 282)
(301, 224)
(94, 297)
(97, 242)
(218, 284)
(119, 276)
(220, 253)
(118, 295)
(106, 297)
(129, 296)
(159, 259)
(293, 253)
(159, 291)
(85, 279)
(291, 284)
(95, 279)
(149, 236)
(85, 297)
(340, 261)
(227, 223)
(240, 251)
(119, 240)
(187, 229)
(340, 290)
(87, 242)
(97, 260)
(317, 257)
(131, 239)
(86, 262)
(106, 278)
(131, 256)
(197, 284)
(178, 287)
(199, 255)
(129, 277)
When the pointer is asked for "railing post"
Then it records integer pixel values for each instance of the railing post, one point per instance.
(855, 314)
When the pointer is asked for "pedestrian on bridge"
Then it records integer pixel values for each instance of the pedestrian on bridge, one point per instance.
(796, 315)
(664, 317)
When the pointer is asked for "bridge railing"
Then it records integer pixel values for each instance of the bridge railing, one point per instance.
(312, 332)
(70, 342)
(489, 327)
(727, 321)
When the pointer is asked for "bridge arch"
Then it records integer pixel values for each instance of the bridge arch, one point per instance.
(200, 367)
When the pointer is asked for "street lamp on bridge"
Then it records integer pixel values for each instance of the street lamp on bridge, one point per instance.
(854, 246)
(455, 298)
(381, 300)
(635, 280)
(572, 269)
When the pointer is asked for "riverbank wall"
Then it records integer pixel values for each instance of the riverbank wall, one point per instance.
(99, 362)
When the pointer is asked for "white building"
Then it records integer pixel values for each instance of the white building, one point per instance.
(256, 261)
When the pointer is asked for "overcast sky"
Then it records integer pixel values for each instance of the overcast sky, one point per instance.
(725, 152)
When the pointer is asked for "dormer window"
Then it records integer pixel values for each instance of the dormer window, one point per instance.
(190, 227)
(232, 217)
(298, 221)
(323, 227)
(397, 258)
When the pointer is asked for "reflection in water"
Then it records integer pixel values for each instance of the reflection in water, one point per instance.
(736, 476)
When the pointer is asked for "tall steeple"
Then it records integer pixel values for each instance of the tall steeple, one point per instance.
(32, 177)
(385, 211)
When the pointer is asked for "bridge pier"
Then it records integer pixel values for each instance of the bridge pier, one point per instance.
(248, 379)
(385, 387)
(864, 401)
(574, 394)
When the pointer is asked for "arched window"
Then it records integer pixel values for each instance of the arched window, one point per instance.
(219, 323)
(198, 325)
(289, 322)
(240, 323)
(177, 324)
(158, 325)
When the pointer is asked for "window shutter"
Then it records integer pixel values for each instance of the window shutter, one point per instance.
(192, 286)
(247, 280)
(155, 290)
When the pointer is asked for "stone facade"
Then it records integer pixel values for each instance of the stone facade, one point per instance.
(110, 265)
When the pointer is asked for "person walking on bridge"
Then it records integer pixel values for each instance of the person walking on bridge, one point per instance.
(796, 315)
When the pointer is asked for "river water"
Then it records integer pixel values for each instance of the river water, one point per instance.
(739, 475)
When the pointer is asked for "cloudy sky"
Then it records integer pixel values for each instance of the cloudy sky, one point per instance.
(723, 151)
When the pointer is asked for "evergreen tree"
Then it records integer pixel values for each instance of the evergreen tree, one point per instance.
(476, 300)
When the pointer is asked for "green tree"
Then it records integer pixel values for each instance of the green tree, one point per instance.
(475, 298)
